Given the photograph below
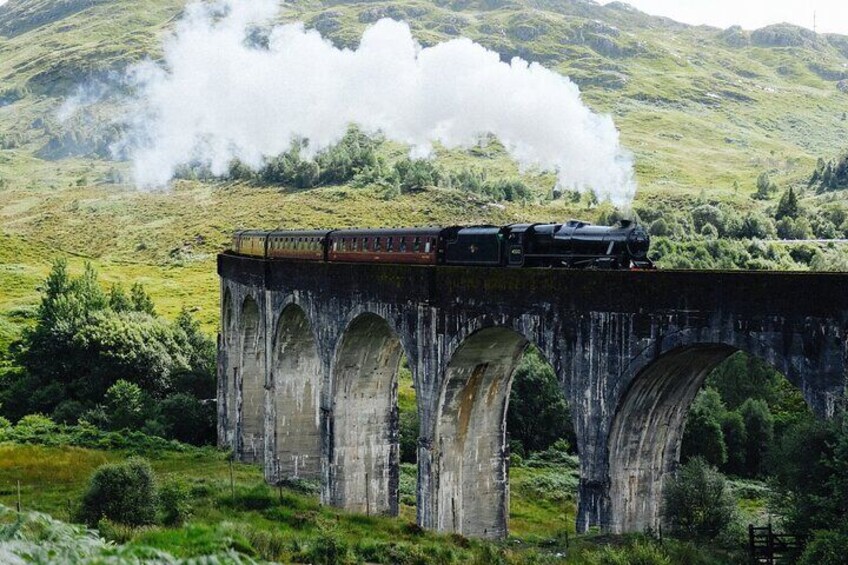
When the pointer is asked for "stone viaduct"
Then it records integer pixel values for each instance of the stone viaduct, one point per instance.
(309, 355)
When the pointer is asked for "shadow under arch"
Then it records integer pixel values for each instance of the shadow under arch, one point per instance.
(472, 485)
(251, 384)
(296, 399)
(364, 438)
(647, 431)
(227, 376)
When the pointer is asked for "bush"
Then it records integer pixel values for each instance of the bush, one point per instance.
(125, 405)
(186, 419)
(329, 549)
(175, 502)
(697, 501)
(826, 548)
(122, 492)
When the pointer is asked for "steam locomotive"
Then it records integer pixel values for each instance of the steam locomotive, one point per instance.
(574, 244)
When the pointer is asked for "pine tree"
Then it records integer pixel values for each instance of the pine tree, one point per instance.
(788, 205)
(141, 301)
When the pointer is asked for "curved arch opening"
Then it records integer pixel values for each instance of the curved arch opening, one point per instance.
(296, 386)
(227, 377)
(473, 484)
(648, 431)
(364, 461)
(251, 384)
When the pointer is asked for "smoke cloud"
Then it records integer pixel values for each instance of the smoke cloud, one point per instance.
(220, 95)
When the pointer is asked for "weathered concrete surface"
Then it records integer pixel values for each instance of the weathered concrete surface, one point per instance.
(629, 348)
(294, 451)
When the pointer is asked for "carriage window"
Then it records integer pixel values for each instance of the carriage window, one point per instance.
(376, 244)
(402, 245)
(353, 244)
(390, 245)
(335, 245)
(365, 244)
(416, 244)
(427, 246)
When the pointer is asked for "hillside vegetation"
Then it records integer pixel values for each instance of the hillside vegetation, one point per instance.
(705, 112)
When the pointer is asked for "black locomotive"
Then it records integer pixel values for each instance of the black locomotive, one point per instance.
(574, 244)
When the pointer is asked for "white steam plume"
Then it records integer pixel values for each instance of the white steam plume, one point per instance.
(218, 97)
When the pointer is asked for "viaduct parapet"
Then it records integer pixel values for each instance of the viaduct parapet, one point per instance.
(309, 355)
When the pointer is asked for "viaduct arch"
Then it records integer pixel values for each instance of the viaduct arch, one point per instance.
(317, 348)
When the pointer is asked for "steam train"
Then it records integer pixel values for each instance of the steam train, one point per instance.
(574, 244)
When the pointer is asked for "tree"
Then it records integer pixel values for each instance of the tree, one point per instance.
(660, 228)
(538, 412)
(765, 186)
(759, 427)
(703, 436)
(697, 502)
(809, 463)
(141, 301)
(736, 440)
(788, 205)
(708, 215)
(125, 405)
(186, 419)
(118, 299)
(122, 492)
(84, 358)
(756, 226)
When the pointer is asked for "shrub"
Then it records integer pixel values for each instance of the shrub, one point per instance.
(329, 549)
(34, 425)
(68, 412)
(697, 501)
(185, 419)
(175, 502)
(826, 548)
(125, 405)
(660, 228)
(4, 423)
(122, 492)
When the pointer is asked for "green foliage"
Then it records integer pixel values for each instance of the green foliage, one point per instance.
(175, 501)
(660, 228)
(354, 157)
(697, 501)
(101, 357)
(185, 418)
(826, 548)
(538, 414)
(759, 428)
(703, 436)
(639, 553)
(140, 301)
(830, 175)
(39, 430)
(708, 215)
(736, 441)
(408, 427)
(125, 403)
(122, 492)
(330, 549)
(765, 187)
(809, 463)
(788, 205)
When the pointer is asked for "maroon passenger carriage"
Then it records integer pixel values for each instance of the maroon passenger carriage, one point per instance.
(403, 245)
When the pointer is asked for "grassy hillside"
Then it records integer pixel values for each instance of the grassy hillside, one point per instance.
(704, 110)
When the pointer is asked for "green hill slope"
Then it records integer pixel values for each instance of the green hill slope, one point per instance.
(704, 111)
